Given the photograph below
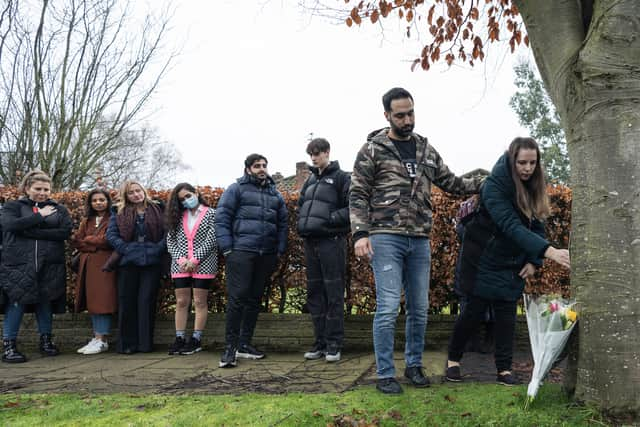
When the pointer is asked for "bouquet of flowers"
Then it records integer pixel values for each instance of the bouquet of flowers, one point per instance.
(550, 320)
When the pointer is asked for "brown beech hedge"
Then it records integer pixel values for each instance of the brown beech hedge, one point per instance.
(286, 291)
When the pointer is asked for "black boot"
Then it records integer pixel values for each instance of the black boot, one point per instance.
(11, 353)
(47, 347)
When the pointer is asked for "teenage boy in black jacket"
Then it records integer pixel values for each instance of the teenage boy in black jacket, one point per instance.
(323, 223)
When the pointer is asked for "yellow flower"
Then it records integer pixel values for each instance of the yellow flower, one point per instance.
(572, 315)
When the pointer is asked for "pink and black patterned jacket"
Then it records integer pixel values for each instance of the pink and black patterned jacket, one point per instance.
(197, 245)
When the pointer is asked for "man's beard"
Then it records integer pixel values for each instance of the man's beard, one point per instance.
(262, 179)
(402, 132)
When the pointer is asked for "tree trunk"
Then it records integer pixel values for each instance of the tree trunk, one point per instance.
(595, 84)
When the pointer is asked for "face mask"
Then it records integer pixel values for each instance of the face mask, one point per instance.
(190, 203)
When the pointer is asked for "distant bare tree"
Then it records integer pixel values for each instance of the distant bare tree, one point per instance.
(74, 77)
(141, 155)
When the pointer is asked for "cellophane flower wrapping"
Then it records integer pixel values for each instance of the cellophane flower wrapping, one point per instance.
(550, 320)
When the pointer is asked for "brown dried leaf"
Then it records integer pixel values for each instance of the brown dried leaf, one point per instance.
(375, 16)
(430, 15)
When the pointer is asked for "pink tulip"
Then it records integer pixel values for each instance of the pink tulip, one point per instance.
(553, 307)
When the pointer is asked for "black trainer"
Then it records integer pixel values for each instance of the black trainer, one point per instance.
(247, 351)
(507, 379)
(47, 347)
(193, 346)
(317, 352)
(453, 374)
(10, 353)
(177, 346)
(416, 376)
(228, 359)
(389, 386)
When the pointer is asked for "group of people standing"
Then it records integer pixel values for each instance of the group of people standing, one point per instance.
(385, 203)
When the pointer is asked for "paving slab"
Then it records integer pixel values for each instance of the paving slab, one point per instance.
(158, 372)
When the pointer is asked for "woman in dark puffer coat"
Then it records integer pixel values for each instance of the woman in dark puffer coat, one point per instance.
(502, 246)
(32, 272)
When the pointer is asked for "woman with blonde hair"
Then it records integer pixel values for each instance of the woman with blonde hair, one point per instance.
(136, 231)
(503, 244)
(32, 271)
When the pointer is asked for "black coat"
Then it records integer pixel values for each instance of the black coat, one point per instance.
(499, 241)
(33, 257)
(324, 203)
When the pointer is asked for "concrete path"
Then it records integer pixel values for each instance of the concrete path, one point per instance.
(199, 373)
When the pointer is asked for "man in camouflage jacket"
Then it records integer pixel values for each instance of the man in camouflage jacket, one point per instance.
(391, 217)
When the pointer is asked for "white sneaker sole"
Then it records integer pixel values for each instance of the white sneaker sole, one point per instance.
(332, 359)
(313, 356)
(249, 356)
(227, 364)
(82, 349)
(96, 351)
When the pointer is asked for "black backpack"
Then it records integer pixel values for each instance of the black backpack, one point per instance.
(476, 230)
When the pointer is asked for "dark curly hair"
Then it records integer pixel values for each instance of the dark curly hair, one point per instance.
(175, 209)
(88, 209)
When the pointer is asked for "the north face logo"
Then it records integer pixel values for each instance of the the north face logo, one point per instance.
(329, 180)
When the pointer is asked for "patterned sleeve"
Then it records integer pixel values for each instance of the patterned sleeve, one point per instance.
(209, 245)
(172, 245)
(362, 180)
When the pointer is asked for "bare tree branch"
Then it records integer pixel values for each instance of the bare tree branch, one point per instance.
(79, 78)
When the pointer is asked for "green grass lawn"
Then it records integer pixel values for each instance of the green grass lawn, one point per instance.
(448, 405)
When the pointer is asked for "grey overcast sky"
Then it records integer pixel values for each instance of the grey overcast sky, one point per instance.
(260, 76)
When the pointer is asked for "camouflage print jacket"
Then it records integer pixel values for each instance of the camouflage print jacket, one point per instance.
(384, 199)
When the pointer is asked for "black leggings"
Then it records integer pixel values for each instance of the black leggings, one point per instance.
(504, 330)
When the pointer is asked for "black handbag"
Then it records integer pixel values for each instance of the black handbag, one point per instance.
(75, 262)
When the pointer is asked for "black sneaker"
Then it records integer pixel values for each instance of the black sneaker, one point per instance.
(507, 379)
(228, 359)
(317, 352)
(453, 374)
(177, 346)
(389, 386)
(193, 346)
(416, 376)
(10, 353)
(47, 347)
(247, 351)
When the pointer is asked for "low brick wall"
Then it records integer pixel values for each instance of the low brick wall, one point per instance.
(274, 332)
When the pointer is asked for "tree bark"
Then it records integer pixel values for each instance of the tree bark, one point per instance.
(594, 80)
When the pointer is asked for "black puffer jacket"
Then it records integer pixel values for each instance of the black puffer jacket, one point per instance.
(324, 203)
(33, 257)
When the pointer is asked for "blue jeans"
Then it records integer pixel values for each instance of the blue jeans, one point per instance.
(101, 323)
(400, 263)
(13, 318)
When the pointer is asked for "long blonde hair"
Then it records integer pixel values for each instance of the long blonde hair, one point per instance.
(35, 175)
(123, 201)
(531, 195)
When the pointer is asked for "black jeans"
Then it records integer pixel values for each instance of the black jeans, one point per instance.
(326, 265)
(137, 295)
(472, 316)
(247, 273)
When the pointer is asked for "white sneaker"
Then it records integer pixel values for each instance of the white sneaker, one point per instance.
(332, 356)
(98, 346)
(82, 349)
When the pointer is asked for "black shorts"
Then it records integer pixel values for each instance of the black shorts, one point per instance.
(190, 282)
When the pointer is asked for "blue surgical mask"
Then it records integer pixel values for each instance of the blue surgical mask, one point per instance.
(190, 202)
